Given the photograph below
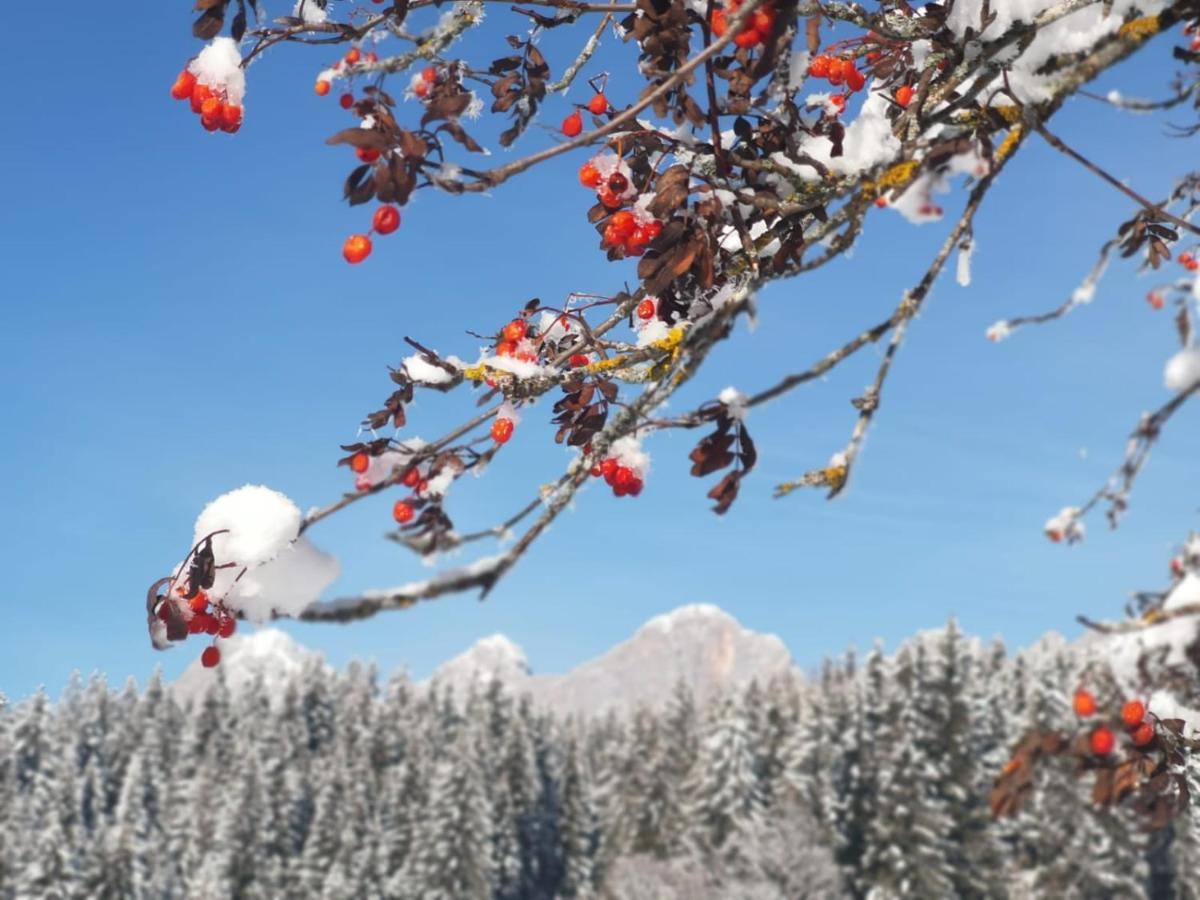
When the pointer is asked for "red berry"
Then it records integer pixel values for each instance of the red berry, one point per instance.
(321, 87)
(421, 89)
(1084, 703)
(763, 21)
(228, 627)
(645, 309)
(502, 430)
(356, 249)
(506, 348)
(1133, 712)
(598, 105)
(514, 330)
(608, 468)
(210, 108)
(855, 80)
(211, 625)
(210, 657)
(1054, 534)
(881, 202)
(1143, 734)
(402, 512)
(359, 463)
(386, 219)
(372, 57)
(836, 71)
(1176, 566)
(904, 95)
(577, 361)
(429, 75)
(718, 23)
(597, 471)
(1155, 299)
(231, 118)
(412, 477)
(608, 198)
(353, 56)
(618, 183)
(819, 67)
(199, 603)
(635, 486)
(653, 229)
(1103, 741)
(635, 244)
(1185, 259)
(346, 100)
(200, 93)
(748, 38)
(589, 175)
(422, 486)
(366, 154)
(572, 125)
(623, 224)
(196, 623)
(623, 478)
(183, 86)
(839, 101)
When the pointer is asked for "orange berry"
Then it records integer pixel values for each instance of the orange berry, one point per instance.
(904, 95)
(231, 117)
(819, 67)
(623, 223)
(429, 75)
(183, 86)
(359, 463)
(598, 105)
(199, 603)
(1155, 299)
(356, 249)
(608, 197)
(855, 80)
(881, 202)
(646, 309)
(386, 219)
(1103, 741)
(502, 430)
(1143, 734)
(839, 102)
(763, 21)
(718, 23)
(635, 244)
(402, 512)
(572, 125)
(515, 330)
(200, 93)
(421, 89)
(589, 175)
(1133, 712)
(748, 38)
(353, 56)
(836, 73)
(321, 87)
(1084, 703)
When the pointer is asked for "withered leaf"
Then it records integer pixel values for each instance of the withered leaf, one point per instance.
(208, 26)
(364, 138)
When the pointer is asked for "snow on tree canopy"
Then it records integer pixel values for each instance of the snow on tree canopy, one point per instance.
(284, 573)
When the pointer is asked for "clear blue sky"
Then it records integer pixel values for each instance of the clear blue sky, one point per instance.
(176, 320)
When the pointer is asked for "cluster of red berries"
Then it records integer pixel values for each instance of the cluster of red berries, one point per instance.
(622, 479)
(1189, 262)
(403, 510)
(358, 246)
(212, 106)
(424, 82)
(1103, 739)
(756, 30)
(572, 125)
(838, 71)
(353, 57)
(512, 342)
(206, 618)
(630, 231)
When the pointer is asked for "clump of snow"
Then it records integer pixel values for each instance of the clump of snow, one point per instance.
(1066, 526)
(310, 11)
(652, 331)
(274, 571)
(219, 65)
(628, 452)
(1185, 593)
(735, 402)
(998, 331)
(422, 371)
(1182, 370)
(963, 273)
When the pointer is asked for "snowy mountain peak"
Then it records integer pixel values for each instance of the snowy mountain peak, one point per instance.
(693, 613)
(494, 658)
(268, 653)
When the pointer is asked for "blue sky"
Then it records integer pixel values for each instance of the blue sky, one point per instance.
(176, 320)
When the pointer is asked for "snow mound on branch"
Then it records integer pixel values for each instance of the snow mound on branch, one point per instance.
(310, 11)
(219, 65)
(1182, 370)
(1185, 593)
(275, 571)
(268, 653)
